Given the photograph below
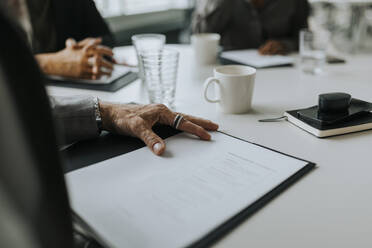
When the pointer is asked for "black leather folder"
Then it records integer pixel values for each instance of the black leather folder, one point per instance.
(111, 87)
(108, 146)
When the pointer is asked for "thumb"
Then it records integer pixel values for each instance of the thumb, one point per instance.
(70, 43)
(97, 41)
(153, 141)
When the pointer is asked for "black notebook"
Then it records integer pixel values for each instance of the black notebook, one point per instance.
(117, 81)
(192, 195)
(362, 122)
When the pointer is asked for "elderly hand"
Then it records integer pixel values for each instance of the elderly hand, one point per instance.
(138, 120)
(272, 47)
(84, 59)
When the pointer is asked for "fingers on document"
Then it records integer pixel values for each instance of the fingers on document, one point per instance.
(194, 129)
(206, 124)
(153, 141)
(191, 124)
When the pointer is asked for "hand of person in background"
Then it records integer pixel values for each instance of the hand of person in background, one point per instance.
(84, 59)
(272, 47)
(101, 57)
(87, 41)
(98, 41)
(138, 120)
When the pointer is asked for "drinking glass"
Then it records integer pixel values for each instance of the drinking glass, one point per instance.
(160, 69)
(312, 52)
(147, 42)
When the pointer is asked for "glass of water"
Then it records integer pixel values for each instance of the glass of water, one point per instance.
(147, 42)
(160, 68)
(312, 52)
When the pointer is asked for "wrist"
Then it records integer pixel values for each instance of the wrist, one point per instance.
(105, 110)
(97, 114)
(46, 62)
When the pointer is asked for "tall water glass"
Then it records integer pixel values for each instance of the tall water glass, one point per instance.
(312, 52)
(147, 42)
(160, 69)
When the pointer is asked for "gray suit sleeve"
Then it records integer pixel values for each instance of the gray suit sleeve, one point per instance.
(75, 118)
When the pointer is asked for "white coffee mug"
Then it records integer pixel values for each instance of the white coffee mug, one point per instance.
(235, 84)
(206, 47)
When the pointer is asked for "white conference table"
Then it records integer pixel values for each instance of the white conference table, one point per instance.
(331, 206)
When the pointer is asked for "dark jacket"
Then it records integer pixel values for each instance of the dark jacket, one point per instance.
(243, 26)
(34, 205)
(53, 21)
(31, 173)
(79, 19)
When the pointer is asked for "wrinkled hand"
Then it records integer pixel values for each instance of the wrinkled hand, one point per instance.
(138, 120)
(272, 47)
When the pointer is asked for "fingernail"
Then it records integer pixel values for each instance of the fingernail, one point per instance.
(157, 148)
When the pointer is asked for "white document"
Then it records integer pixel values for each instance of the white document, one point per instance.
(118, 72)
(140, 200)
(253, 58)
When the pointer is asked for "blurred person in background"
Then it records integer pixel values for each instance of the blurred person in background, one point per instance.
(272, 26)
(53, 27)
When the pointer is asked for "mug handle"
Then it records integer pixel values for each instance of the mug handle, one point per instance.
(207, 83)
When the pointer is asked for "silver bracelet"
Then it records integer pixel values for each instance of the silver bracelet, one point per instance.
(97, 114)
